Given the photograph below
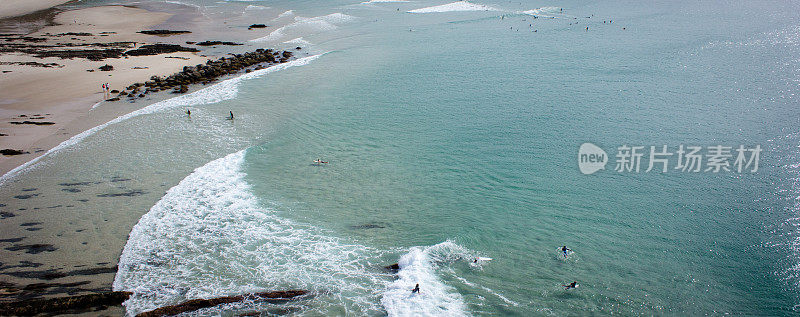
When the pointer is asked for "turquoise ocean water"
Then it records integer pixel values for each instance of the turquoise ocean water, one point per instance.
(452, 135)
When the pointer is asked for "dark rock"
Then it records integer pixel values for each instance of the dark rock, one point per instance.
(113, 99)
(298, 48)
(155, 49)
(130, 193)
(106, 68)
(212, 43)
(33, 122)
(75, 34)
(10, 152)
(33, 248)
(114, 91)
(162, 32)
(196, 304)
(256, 26)
(81, 302)
(394, 268)
(369, 226)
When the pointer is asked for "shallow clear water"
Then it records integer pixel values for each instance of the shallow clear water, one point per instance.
(453, 135)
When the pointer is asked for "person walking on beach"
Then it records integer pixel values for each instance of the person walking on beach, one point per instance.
(416, 289)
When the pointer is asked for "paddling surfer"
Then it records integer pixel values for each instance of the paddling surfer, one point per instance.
(574, 284)
(565, 250)
(416, 289)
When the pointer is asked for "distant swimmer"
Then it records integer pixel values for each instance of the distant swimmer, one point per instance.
(574, 284)
(416, 289)
(587, 28)
(565, 250)
(319, 161)
(231, 117)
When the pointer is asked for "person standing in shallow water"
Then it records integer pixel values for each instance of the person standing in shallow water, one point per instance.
(231, 117)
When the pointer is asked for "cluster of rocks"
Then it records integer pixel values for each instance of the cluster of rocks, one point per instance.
(155, 49)
(206, 73)
(163, 32)
(212, 43)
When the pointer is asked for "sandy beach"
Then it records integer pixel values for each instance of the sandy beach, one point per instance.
(66, 89)
(11, 8)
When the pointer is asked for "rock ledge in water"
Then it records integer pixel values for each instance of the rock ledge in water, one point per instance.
(196, 304)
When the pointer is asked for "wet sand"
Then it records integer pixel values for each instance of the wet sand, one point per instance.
(67, 89)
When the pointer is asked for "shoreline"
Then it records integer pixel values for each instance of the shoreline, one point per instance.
(34, 119)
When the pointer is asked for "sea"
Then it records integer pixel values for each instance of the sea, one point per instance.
(451, 132)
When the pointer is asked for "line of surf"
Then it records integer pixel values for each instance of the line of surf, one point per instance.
(209, 236)
(225, 90)
(457, 6)
(435, 298)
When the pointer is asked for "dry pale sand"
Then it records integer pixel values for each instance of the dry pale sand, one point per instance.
(66, 93)
(12, 8)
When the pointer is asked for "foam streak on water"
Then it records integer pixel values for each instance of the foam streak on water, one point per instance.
(225, 90)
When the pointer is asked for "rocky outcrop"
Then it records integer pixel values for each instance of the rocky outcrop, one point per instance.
(10, 152)
(256, 26)
(206, 73)
(62, 304)
(155, 49)
(394, 268)
(162, 32)
(196, 304)
(212, 43)
(106, 68)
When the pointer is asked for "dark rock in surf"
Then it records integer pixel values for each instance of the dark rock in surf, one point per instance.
(196, 304)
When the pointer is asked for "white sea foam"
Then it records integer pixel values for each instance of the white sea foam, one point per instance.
(542, 10)
(303, 25)
(95, 105)
(435, 298)
(285, 14)
(298, 41)
(383, 1)
(255, 7)
(455, 6)
(224, 90)
(209, 236)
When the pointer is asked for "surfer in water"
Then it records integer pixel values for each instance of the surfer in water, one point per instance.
(565, 250)
(231, 117)
(574, 284)
(320, 161)
(188, 112)
(416, 289)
